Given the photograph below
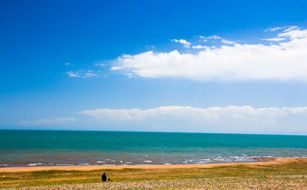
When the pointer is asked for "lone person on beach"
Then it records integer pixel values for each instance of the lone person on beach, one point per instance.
(104, 177)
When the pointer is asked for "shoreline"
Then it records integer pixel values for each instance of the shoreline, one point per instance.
(261, 161)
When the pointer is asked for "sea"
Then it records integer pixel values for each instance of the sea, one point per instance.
(36, 148)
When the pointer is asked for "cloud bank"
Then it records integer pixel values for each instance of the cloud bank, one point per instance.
(242, 119)
(282, 57)
(47, 121)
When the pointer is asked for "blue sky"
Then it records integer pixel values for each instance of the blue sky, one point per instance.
(208, 66)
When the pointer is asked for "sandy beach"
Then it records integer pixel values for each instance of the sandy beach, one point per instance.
(260, 162)
(266, 173)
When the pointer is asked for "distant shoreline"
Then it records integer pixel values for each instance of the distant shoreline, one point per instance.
(261, 161)
(169, 132)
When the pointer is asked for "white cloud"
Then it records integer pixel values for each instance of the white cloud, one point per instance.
(228, 42)
(210, 114)
(274, 39)
(184, 42)
(213, 37)
(216, 38)
(100, 64)
(72, 74)
(245, 119)
(294, 33)
(200, 47)
(274, 29)
(283, 60)
(81, 74)
(47, 121)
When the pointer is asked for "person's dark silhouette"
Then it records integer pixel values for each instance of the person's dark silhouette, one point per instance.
(104, 177)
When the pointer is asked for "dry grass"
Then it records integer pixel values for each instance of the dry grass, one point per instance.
(285, 175)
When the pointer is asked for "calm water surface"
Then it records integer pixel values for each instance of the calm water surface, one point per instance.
(31, 148)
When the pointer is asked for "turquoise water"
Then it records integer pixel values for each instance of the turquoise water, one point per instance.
(96, 147)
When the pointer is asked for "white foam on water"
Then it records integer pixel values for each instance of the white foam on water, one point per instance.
(36, 164)
(100, 162)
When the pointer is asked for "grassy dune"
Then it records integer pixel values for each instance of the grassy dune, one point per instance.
(290, 174)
